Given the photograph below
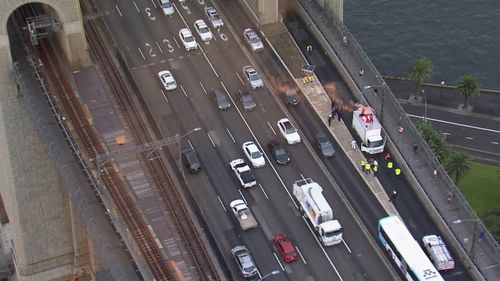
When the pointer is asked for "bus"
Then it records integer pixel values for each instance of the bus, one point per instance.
(405, 251)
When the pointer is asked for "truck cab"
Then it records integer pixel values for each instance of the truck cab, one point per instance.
(369, 130)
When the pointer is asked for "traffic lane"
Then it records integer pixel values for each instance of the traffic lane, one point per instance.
(407, 204)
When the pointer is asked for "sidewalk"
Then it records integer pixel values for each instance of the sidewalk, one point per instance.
(434, 192)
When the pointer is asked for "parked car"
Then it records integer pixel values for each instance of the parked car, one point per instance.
(191, 161)
(253, 154)
(167, 80)
(244, 261)
(220, 99)
(247, 100)
(203, 30)
(324, 145)
(278, 152)
(213, 17)
(167, 7)
(253, 40)
(285, 248)
(253, 77)
(188, 39)
(288, 131)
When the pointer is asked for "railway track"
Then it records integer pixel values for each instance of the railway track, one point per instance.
(90, 145)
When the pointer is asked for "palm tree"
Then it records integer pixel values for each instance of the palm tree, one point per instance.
(458, 165)
(420, 70)
(468, 87)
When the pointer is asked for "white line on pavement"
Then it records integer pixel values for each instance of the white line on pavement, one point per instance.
(222, 204)
(494, 142)
(118, 9)
(300, 254)
(231, 135)
(210, 138)
(185, 94)
(241, 80)
(158, 45)
(201, 84)
(210, 63)
(271, 127)
(278, 260)
(469, 138)
(140, 51)
(163, 93)
(345, 244)
(243, 197)
(456, 124)
(263, 191)
(136, 7)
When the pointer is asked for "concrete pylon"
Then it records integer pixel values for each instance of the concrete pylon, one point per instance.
(263, 11)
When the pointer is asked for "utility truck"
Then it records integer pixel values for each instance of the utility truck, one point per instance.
(368, 129)
(439, 254)
(243, 214)
(318, 212)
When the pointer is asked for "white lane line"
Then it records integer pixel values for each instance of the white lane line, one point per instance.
(345, 244)
(457, 124)
(469, 138)
(201, 84)
(179, 13)
(140, 51)
(323, 249)
(222, 204)
(302, 176)
(118, 9)
(494, 142)
(154, 3)
(185, 94)
(271, 127)
(446, 134)
(300, 254)
(242, 196)
(177, 43)
(263, 191)
(190, 144)
(158, 45)
(163, 93)
(260, 146)
(210, 138)
(278, 260)
(231, 135)
(136, 7)
(210, 63)
(241, 80)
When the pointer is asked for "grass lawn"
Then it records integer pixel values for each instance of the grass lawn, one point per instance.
(481, 187)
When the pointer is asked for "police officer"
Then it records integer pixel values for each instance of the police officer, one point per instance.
(362, 164)
(367, 167)
(390, 164)
(375, 168)
(397, 171)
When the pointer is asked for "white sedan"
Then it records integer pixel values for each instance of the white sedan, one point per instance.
(203, 30)
(288, 131)
(167, 79)
(253, 154)
(188, 39)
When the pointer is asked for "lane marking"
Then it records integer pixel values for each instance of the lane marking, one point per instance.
(190, 144)
(494, 142)
(164, 96)
(300, 254)
(263, 191)
(345, 244)
(241, 80)
(140, 51)
(222, 204)
(456, 124)
(469, 138)
(185, 94)
(118, 9)
(154, 3)
(158, 45)
(242, 196)
(271, 127)
(210, 63)
(210, 138)
(231, 135)
(278, 260)
(201, 84)
(177, 43)
(136, 7)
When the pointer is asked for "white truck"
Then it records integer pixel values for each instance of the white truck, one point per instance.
(309, 195)
(439, 254)
(368, 129)
(243, 214)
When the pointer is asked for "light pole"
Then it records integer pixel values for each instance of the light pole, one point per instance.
(425, 105)
(474, 234)
(274, 272)
(375, 87)
(441, 93)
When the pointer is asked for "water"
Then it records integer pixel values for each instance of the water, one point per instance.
(458, 36)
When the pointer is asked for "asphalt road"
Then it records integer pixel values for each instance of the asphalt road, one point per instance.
(149, 42)
(409, 207)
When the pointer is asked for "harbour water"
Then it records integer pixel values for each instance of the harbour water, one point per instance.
(459, 37)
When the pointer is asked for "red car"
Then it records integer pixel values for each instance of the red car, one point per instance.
(285, 248)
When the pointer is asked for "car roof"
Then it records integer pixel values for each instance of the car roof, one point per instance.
(286, 244)
(186, 31)
(251, 146)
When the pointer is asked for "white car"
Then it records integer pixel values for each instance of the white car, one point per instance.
(203, 30)
(253, 154)
(288, 131)
(253, 40)
(253, 77)
(213, 17)
(167, 7)
(243, 173)
(188, 39)
(167, 79)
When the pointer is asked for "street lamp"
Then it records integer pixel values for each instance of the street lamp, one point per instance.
(375, 87)
(471, 250)
(425, 105)
(441, 93)
(274, 272)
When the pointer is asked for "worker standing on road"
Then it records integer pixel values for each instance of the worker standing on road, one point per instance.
(375, 168)
(329, 120)
(354, 144)
(397, 171)
(390, 164)
(362, 164)
(367, 167)
(309, 49)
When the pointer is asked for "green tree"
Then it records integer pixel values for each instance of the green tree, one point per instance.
(468, 87)
(458, 165)
(420, 70)
(434, 140)
(491, 219)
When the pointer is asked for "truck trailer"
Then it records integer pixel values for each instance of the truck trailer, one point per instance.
(438, 252)
(318, 212)
(368, 129)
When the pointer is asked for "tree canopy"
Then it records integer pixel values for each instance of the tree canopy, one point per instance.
(420, 71)
(468, 87)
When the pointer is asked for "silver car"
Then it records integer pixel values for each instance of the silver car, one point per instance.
(253, 77)
(244, 261)
(324, 145)
(213, 17)
(246, 100)
(253, 40)
(220, 99)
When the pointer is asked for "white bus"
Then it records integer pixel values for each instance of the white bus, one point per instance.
(405, 251)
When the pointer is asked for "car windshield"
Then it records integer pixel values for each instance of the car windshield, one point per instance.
(188, 38)
(279, 151)
(247, 262)
(213, 15)
(333, 233)
(289, 129)
(376, 143)
(167, 5)
(256, 154)
(254, 76)
(203, 29)
(247, 176)
(323, 142)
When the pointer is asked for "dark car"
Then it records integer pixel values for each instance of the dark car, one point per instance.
(292, 97)
(191, 161)
(246, 100)
(244, 261)
(221, 99)
(278, 152)
(324, 145)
